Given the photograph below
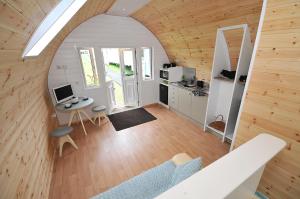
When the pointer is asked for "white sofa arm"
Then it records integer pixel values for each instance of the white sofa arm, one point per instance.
(235, 175)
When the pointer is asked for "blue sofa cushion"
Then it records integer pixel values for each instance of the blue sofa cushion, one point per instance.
(147, 185)
(152, 182)
(186, 170)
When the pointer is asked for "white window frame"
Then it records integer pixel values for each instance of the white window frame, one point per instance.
(51, 25)
(94, 64)
(151, 59)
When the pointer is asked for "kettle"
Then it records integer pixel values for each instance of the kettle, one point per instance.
(200, 84)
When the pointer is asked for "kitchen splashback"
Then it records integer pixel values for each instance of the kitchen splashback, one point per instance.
(189, 73)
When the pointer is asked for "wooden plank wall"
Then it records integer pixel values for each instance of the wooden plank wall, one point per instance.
(26, 152)
(187, 29)
(26, 159)
(272, 103)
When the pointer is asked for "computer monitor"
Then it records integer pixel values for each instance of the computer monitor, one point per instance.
(63, 93)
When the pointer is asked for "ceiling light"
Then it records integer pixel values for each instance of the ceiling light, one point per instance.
(51, 25)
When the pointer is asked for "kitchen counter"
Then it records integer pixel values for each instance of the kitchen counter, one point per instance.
(194, 89)
(187, 101)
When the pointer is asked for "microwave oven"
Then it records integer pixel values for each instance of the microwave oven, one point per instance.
(173, 74)
(164, 74)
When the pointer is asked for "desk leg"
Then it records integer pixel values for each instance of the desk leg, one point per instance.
(87, 116)
(78, 112)
(71, 117)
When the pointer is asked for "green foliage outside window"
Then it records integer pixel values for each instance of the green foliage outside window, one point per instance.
(89, 67)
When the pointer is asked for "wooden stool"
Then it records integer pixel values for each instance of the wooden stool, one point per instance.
(62, 133)
(100, 112)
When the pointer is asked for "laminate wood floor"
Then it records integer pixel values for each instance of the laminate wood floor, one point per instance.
(106, 158)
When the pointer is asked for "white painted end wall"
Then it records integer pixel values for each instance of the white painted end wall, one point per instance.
(104, 31)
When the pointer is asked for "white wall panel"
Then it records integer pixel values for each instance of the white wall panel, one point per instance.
(104, 31)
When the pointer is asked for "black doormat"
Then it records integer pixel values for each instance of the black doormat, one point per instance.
(130, 118)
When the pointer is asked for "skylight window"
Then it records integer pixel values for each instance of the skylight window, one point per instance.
(51, 25)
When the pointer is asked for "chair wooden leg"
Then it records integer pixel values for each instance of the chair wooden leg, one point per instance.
(99, 119)
(103, 115)
(60, 149)
(71, 141)
(62, 140)
(99, 116)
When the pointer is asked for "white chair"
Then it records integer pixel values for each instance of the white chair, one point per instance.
(100, 113)
(62, 133)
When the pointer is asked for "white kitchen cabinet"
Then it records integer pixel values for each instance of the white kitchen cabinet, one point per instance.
(184, 101)
(173, 97)
(198, 105)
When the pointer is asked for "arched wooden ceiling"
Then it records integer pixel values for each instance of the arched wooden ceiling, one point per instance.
(187, 28)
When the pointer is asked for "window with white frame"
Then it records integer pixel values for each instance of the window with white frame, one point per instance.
(56, 19)
(146, 58)
(89, 68)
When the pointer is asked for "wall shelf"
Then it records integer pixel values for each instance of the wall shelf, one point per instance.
(224, 79)
(215, 130)
(225, 94)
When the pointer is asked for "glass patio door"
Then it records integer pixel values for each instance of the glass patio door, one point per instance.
(113, 78)
(129, 76)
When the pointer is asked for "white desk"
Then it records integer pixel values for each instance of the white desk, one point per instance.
(77, 109)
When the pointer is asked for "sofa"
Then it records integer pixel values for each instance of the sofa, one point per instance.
(155, 181)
